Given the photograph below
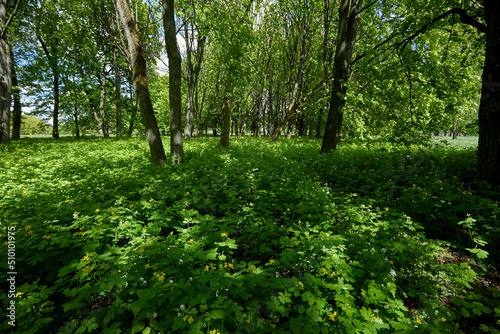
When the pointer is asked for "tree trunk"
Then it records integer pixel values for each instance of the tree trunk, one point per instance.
(5, 83)
(226, 122)
(17, 110)
(55, 118)
(104, 125)
(318, 128)
(132, 118)
(349, 17)
(118, 96)
(51, 58)
(77, 127)
(488, 153)
(175, 74)
(139, 76)
(455, 121)
(5, 75)
(192, 73)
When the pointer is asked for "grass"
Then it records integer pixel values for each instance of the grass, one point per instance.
(258, 238)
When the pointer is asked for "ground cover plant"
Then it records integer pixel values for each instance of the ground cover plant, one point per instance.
(260, 237)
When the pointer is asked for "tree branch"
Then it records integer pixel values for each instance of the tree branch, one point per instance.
(464, 18)
(4, 28)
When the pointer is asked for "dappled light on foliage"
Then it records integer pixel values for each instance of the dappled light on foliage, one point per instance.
(259, 237)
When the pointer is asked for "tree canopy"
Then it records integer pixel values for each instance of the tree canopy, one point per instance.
(412, 68)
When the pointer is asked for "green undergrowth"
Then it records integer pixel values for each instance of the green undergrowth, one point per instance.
(261, 237)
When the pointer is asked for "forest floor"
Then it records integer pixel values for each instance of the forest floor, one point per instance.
(261, 237)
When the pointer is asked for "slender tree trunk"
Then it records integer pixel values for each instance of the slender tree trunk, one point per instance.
(488, 152)
(118, 94)
(320, 118)
(104, 124)
(77, 127)
(192, 73)
(349, 17)
(55, 118)
(455, 129)
(17, 110)
(51, 58)
(226, 122)
(139, 76)
(175, 75)
(132, 119)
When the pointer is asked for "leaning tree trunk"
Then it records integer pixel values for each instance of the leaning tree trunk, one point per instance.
(175, 75)
(139, 77)
(349, 17)
(488, 153)
(226, 123)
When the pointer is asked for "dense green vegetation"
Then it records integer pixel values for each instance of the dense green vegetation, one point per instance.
(261, 237)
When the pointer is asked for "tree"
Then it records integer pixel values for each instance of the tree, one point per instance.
(5, 71)
(226, 123)
(488, 153)
(484, 16)
(349, 18)
(139, 77)
(193, 63)
(175, 76)
(17, 110)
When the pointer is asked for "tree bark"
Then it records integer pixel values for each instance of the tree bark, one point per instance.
(488, 152)
(226, 122)
(349, 18)
(17, 110)
(5, 72)
(5, 84)
(139, 77)
(175, 75)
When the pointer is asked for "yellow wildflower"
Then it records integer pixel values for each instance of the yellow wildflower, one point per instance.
(332, 316)
(161, 277)
(301, 284)
(18, 293)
